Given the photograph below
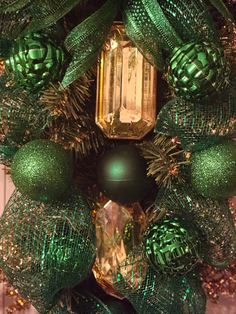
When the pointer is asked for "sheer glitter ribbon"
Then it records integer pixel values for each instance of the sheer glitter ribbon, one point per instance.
(190, 18)
(148, 27)
(46, 247)
(199, 125)
(212, 219)
(46, 12)
(165, 295)
(13, 5)
(85, 40)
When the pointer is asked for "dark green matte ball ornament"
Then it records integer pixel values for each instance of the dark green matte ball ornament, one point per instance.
(197, 70)
(170, 247)
(121, 174)
(213, 170)
(42, 170)
(34, 61)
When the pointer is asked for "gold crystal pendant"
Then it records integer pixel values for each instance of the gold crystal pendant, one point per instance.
(119, 230)
(126, 89)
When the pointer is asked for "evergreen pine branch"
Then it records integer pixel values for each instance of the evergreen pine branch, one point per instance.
(13, 23)
(164, 158)
(69, 122)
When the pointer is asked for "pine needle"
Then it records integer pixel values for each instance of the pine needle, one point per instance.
(164, 158)
(69, 122)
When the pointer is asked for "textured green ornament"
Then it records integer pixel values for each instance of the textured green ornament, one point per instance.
(170, 248)
(213, 170)
(43, 170)
(197, 70)
(35, 60)
(45, 248)
(211, 218)
(121, 174)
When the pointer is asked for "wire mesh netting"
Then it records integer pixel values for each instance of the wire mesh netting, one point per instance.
(46, 247)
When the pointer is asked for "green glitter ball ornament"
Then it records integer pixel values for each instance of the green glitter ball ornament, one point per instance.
(213, 170)
(42, 170)
(198, 70)
(35, 60)
(170, 248)
(121, 174)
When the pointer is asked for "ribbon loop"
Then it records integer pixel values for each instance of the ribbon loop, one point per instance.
(14, 5)
(148, 27)
(85, 40)
(47, 12)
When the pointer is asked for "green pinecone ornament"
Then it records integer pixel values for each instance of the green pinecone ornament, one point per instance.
(35, 60)
(197, 70)
(170, 248)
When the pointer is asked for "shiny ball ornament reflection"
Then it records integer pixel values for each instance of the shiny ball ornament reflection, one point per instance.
(121, 175)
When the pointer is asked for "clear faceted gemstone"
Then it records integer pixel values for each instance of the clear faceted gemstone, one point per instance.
(118, 232)
(126, 89)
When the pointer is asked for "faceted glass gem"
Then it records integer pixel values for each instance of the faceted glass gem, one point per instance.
(119, 230)
(126, 89)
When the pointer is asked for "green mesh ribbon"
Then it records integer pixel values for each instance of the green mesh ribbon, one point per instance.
(189, 295)
(190, 18)
(164, 295)
(148, 27)
(13, 5)
(198, 125)
(46, 12)
(211, 218)
(45, 248)
(153, 26)
(85, 40)
(43, 12)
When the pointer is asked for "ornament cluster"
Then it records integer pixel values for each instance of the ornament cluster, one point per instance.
(98, 221)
